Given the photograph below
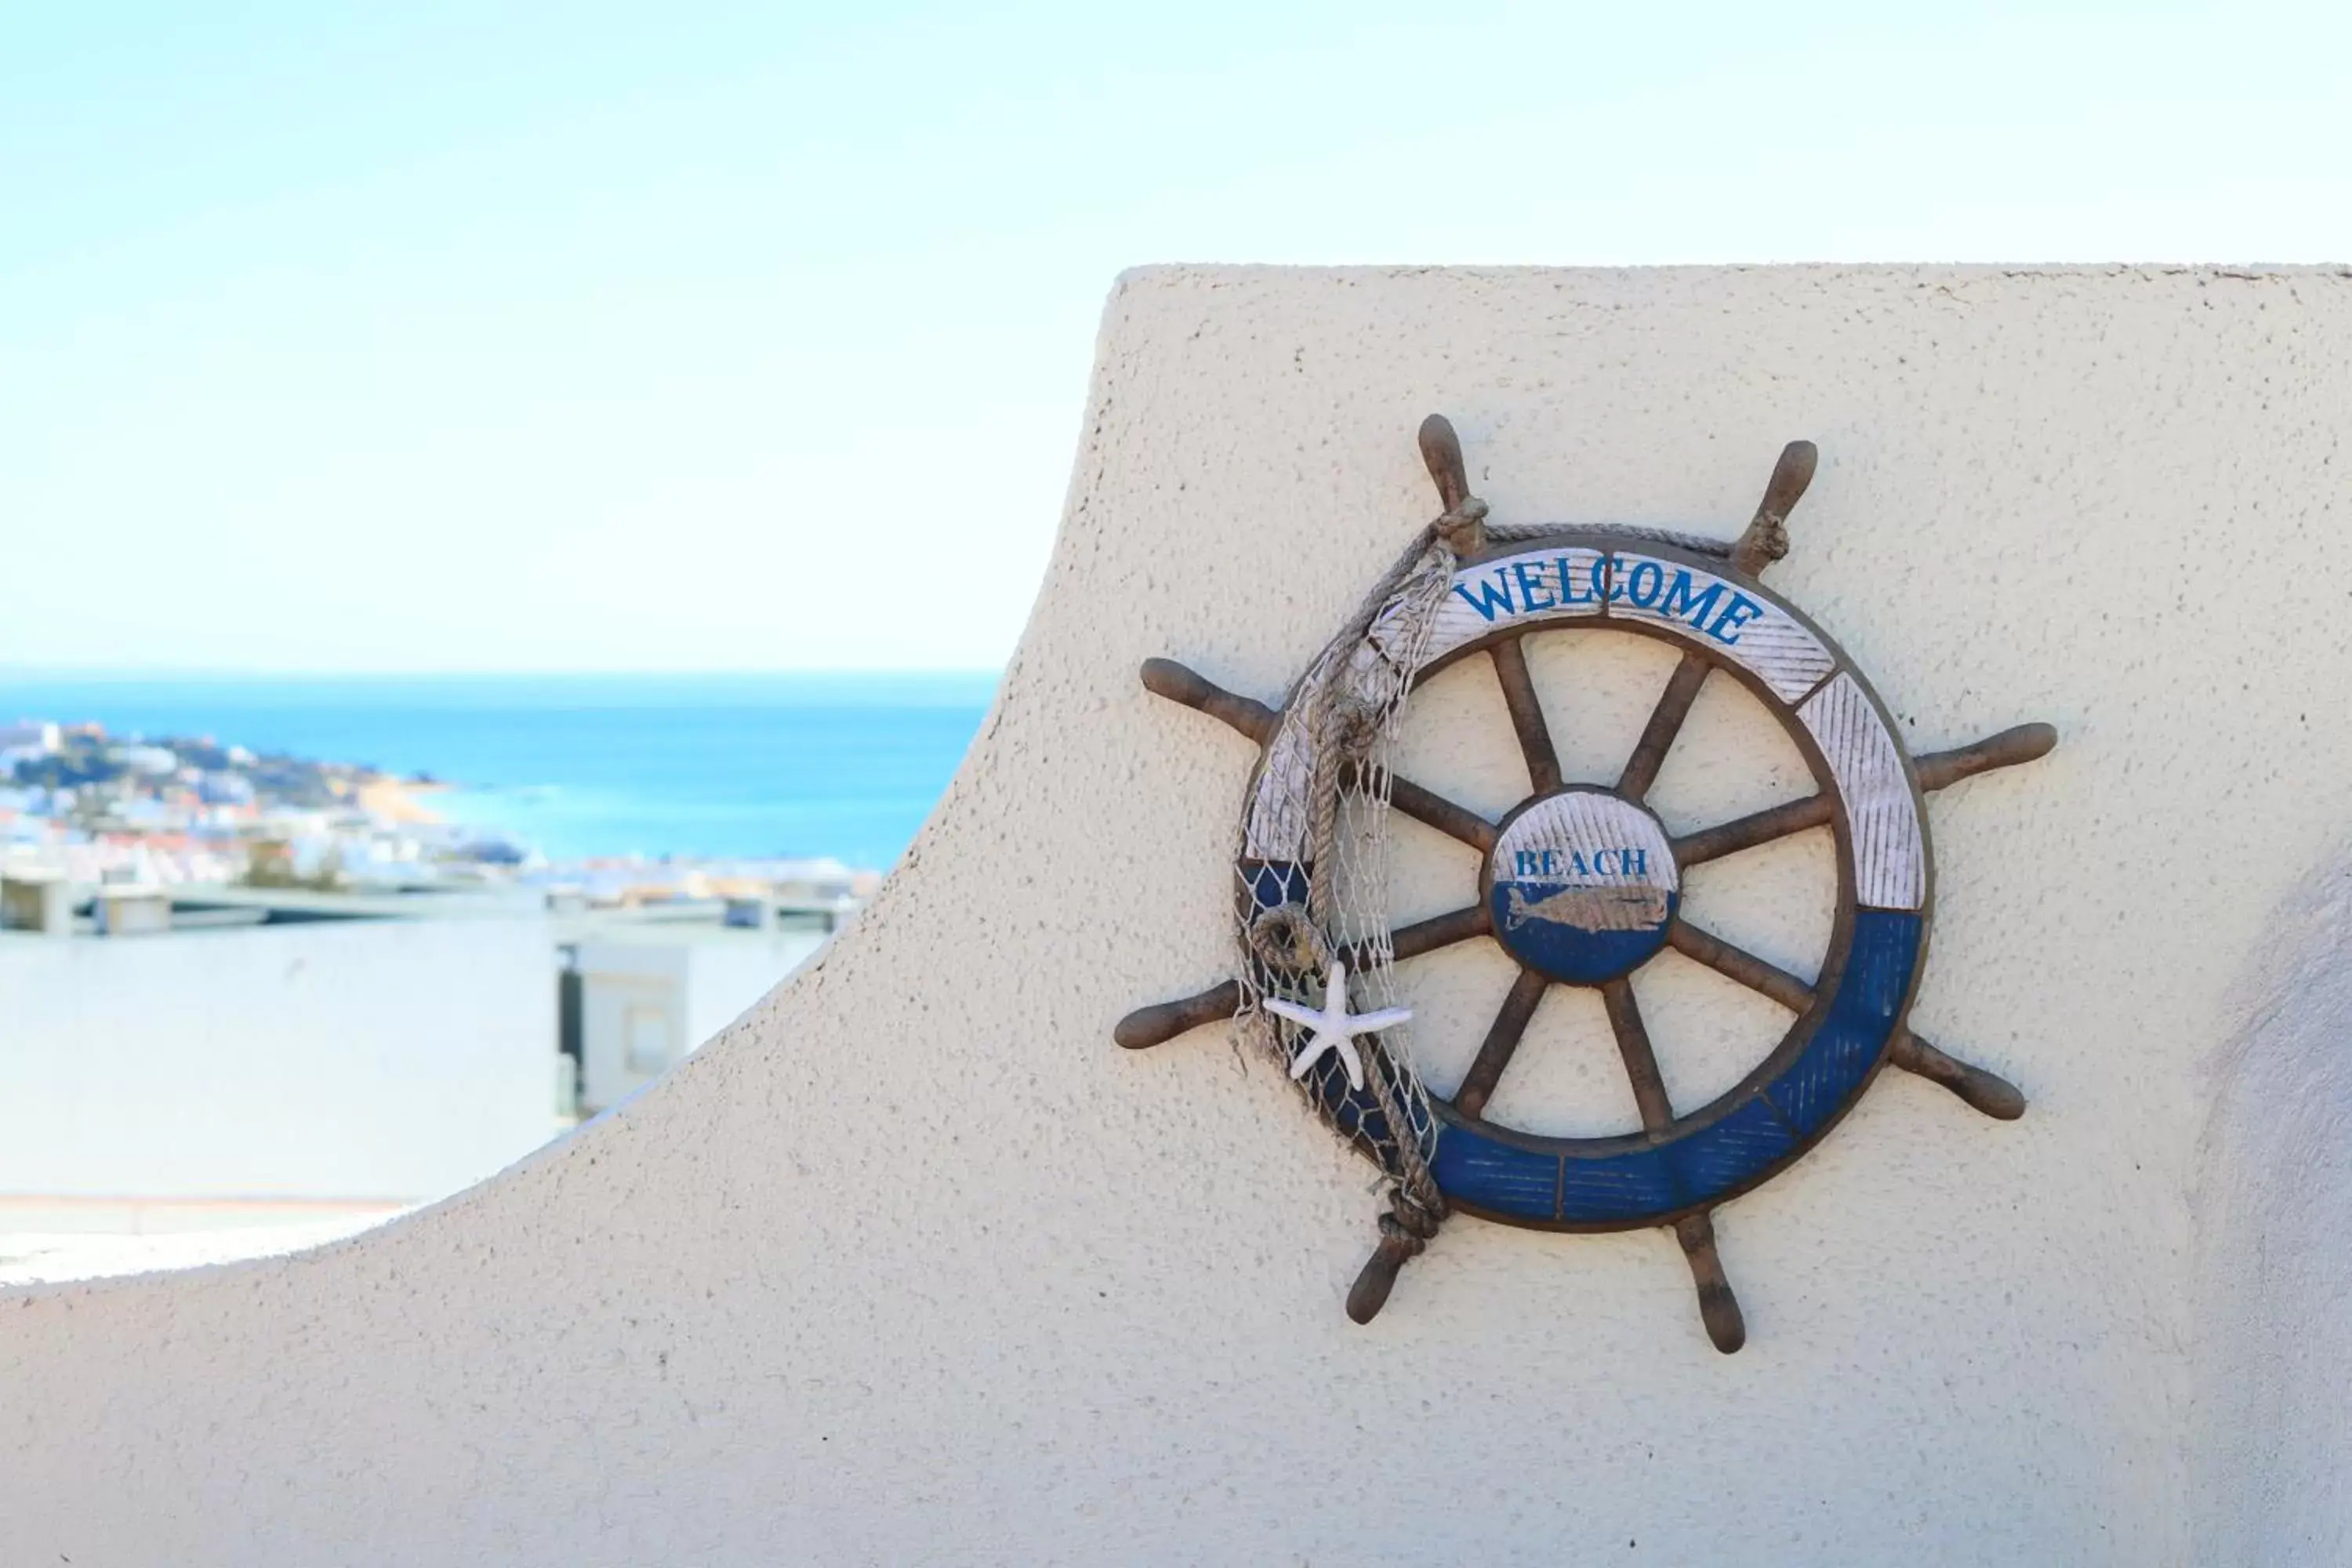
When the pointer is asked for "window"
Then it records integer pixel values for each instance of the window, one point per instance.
(645, 1033)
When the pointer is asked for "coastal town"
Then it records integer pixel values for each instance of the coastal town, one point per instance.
(96, 810)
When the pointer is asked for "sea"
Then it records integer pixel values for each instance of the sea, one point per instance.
(578, 766)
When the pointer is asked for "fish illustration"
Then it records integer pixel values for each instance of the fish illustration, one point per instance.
(1588, 909)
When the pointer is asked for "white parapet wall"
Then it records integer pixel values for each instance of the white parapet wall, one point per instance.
(914, 1265)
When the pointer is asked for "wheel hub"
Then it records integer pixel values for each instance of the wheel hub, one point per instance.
(1582, 885)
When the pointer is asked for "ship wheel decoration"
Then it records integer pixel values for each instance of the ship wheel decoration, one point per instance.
(1580, 883)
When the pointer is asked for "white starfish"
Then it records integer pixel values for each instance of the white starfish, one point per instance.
(1335, 1028)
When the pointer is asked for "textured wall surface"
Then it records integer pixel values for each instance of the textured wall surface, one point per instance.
(2274, 1203)
(914, 1266)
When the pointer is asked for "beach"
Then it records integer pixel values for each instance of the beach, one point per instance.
(390, 799)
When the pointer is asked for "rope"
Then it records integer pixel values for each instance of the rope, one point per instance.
(1345, 710)
(1697, 543)
(1343, 714)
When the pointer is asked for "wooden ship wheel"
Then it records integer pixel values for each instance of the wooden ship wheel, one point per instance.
(1580, 882)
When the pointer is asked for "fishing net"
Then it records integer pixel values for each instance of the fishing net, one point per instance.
(1313, 864)
(1313, 870)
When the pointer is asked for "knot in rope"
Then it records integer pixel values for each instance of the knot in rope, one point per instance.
(1285, 937)
(1411, 1223)
(1459, 525)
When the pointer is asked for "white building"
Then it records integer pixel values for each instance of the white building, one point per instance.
(178, 1080)
(640, 996)
(36, 735)
(26, 738)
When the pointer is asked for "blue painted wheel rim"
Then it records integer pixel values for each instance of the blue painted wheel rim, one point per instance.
(1812, 1078)
(1612, 1183)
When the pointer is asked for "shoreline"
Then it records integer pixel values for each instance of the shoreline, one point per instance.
(398, 800)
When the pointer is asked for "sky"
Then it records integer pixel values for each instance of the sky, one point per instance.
(684, 337)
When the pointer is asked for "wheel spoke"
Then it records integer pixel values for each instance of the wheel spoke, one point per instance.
(1666, 723)
(1748, 832)
(1494, 1053)
(1764, 541)
(1166, 678)
(1989, 1092)
(1164, 1022)
(1767, 537)
(1510, 660)
(1718, 1308)
(1937, 770)
(1941, 769)
(1425, 936)
(1738, 964)
(1640, 1060)
(1176, 682)
(1985, 1091)
(1158, 1025)
(1455, 821)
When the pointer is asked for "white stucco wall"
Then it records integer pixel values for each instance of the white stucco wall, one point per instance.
(724, 978)
(367, 1060)
(2274, 1205)
(914, 1266)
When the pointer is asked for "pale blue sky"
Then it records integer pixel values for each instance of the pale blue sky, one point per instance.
(456, 336)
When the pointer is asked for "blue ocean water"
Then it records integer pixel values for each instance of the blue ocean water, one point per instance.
(578, 765)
